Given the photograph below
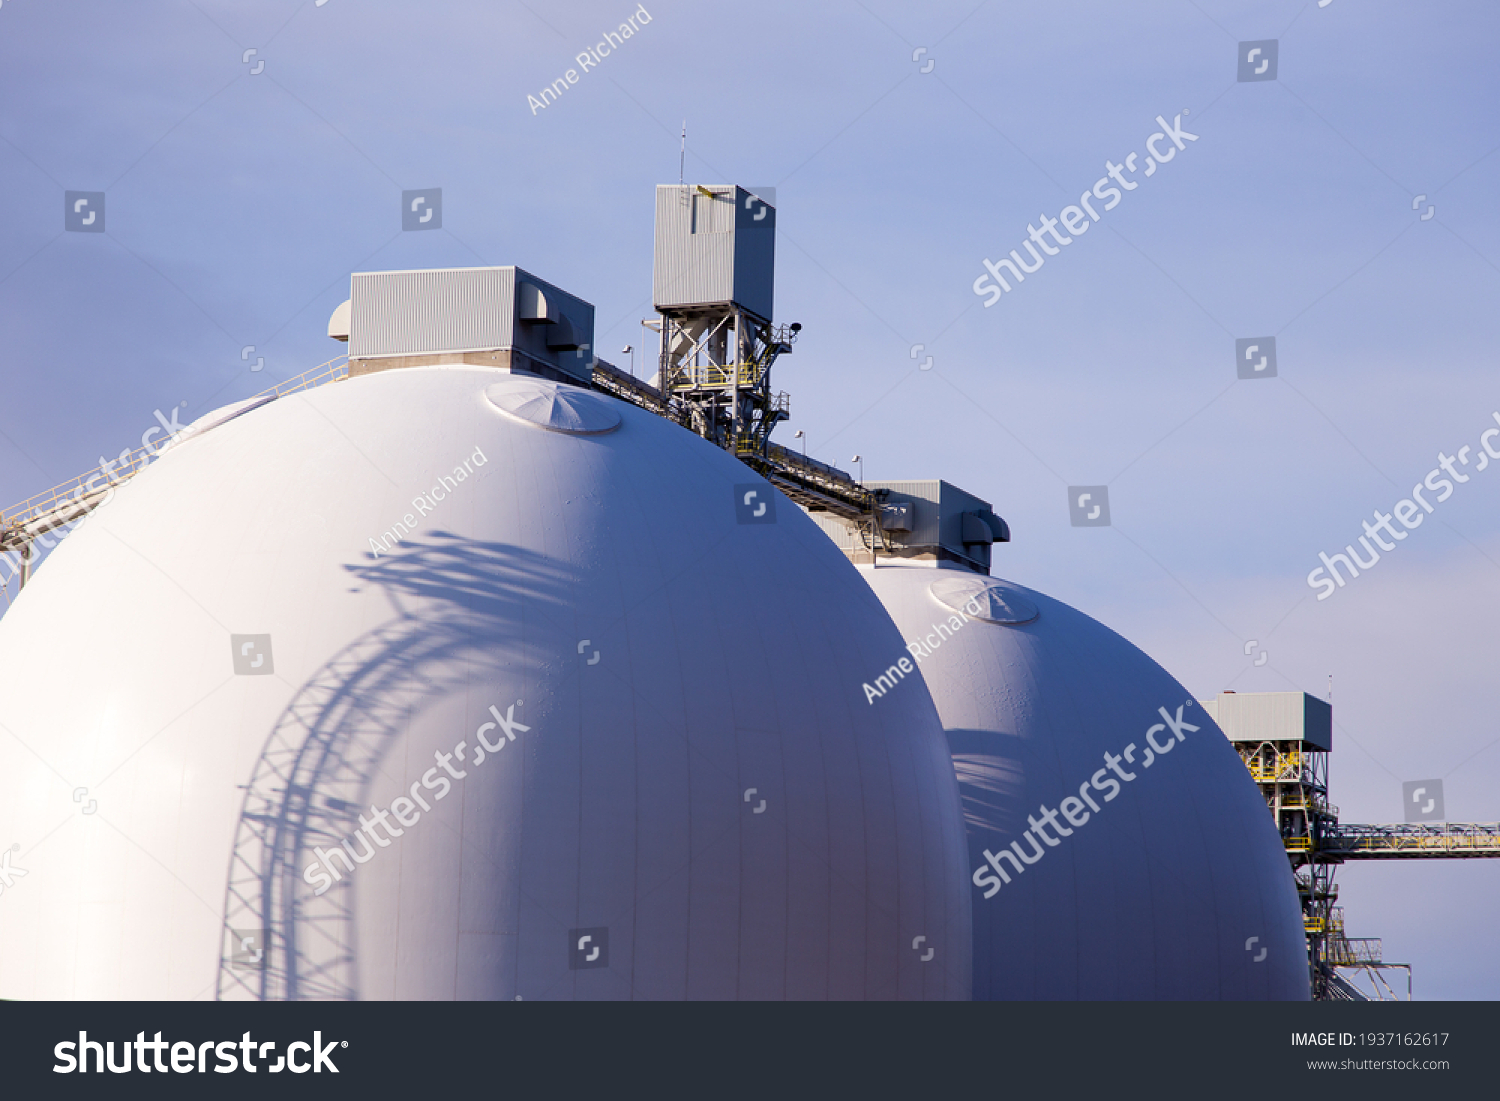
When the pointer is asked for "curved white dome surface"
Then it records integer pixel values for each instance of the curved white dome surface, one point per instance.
(1176, 886)
(339, 606)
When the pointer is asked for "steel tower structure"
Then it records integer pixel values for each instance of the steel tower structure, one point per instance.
(1285, 738)
(713, 287)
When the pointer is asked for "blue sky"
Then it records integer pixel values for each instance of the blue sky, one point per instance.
(237, 204)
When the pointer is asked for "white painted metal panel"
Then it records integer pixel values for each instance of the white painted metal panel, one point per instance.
(586, 580)
(1155, 897)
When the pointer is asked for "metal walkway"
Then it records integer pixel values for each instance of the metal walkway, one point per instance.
(1450, 840)
(24, 523)
(808, 482)
(1292, 773)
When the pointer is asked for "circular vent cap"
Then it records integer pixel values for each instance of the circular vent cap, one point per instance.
(555, 407)
(987, 599)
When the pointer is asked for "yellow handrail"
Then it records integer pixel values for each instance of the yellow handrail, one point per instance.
(334, 370)
(112, 474)
(715, 374)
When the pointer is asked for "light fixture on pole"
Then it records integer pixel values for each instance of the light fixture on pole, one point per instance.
(874, 538)
(798, 435)
(629, 351)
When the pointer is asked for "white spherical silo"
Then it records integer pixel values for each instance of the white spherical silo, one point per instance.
(1116, 853)
(447, 683)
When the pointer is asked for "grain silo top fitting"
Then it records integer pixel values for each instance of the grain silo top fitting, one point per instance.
(500, 317)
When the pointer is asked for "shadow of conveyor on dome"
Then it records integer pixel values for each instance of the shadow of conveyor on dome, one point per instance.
(991, 781)
(462, 610)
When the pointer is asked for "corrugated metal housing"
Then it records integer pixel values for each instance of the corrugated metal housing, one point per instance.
(714, 246)
(1273, 717)
(456, 310)
(937, 521)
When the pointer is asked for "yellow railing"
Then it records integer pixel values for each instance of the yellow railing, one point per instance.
(1282, 766)
(1483, 843)
(713, 375)
(335, 370)
(83, 489)
(14, 520)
